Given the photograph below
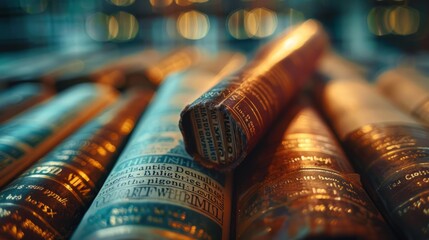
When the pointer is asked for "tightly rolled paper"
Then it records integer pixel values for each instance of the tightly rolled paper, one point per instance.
(32, 134)
(49, 199)
(390, 150)
(300, 185)
(222, 126)
(407, 88)
(20, 98)
(156, 190)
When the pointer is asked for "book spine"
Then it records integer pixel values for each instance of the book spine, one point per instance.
(33, 133)
(224, 124)
(390, 150)
(301, 185)
(20, 98)
(156, 189)
(49, 199)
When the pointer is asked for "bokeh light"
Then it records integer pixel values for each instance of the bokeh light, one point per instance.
(33, 6)
(113, 27)
(260, 22)
(400, 20)
(235, 24)
(128, 26)
(119, 27)
(193, 25)
(404, 20)
(378, 21)
(97, 26)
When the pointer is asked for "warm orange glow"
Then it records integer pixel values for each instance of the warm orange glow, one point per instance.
(127, 126)
(295, 40)
(160, 3)
(193, 25)
(404, 20)
(183, 2)
(110, 147)
(113, 27)
(101, 151)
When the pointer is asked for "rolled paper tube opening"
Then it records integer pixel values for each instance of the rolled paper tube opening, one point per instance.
(225, 138)
(223, 126)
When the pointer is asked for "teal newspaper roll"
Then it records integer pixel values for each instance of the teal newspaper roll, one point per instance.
(48, 200)
(156, 190)
(30, 135)
(20, 98)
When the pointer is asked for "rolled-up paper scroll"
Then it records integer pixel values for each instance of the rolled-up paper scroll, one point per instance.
(51, 197)
(300, 185)
(20, 98)
(222, 126)
(390, 150)
(156, 190)
(33, 133)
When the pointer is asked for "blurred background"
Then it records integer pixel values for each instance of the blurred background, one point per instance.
(370, 32)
